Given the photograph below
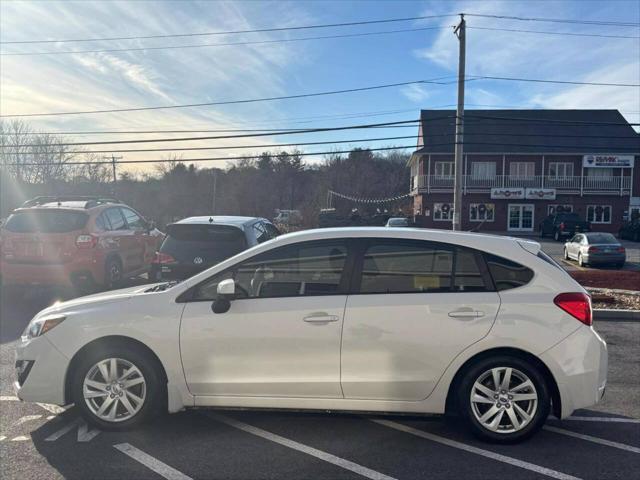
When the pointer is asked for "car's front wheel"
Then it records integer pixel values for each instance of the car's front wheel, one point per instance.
(117, 388)
(504, 399)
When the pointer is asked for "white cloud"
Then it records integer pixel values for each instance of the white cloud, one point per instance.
(416, 93)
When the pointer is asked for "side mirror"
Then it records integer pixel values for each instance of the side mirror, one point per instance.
(226, 291)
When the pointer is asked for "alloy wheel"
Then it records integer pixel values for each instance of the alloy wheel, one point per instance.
(114, 273)
(504, 400)
(114, 389)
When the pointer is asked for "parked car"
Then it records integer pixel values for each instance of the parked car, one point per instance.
(196, 243)
(563, 225)
(85, 242)
(630, 230)
(368, 319)
(288, 217)
(595, 248)
(398, 222)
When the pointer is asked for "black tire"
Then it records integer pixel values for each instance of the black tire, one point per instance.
(476, 371)
(580, 261)
(113, 273)
(541, 232)
(155, 393)
(565, 254)
(83, 285)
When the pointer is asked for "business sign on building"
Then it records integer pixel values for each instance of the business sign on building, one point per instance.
(508, 193)
(540, 193)
(607, 161)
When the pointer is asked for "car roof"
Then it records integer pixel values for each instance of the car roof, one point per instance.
(481, 241)
(229, 220)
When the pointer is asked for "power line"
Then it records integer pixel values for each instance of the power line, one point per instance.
(571, 34)
(556, 20)
(222, 159)
(233, 102)
(220, 137)
(202, 45)
(436, 81)
(233, 32)
(539, 80)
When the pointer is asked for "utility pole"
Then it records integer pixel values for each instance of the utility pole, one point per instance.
(113, 166)
(457, 179)
(215, 181)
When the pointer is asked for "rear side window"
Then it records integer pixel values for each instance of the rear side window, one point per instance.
(406, 268)
(133, 219)
(53, 221)
(507, 274)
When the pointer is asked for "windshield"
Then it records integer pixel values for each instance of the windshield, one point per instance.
(212, 243)
(398, 222)
(50, 221)
(601, 238)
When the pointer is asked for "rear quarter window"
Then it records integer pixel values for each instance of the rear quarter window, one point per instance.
(507, 274)
(53, 221)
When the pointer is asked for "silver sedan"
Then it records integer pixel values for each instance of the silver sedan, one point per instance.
(595, 248)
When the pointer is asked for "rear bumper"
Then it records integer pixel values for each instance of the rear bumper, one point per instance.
(49, 273)
(604, 258)
(579, 365)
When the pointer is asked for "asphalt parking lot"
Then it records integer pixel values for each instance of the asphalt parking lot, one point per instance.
(40, 441)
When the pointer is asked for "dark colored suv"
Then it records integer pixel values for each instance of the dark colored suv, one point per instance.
(86, 242)
(196, 243)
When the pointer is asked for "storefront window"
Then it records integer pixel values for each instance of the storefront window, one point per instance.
(599, 213)
(442, 211)
(554, 209)
(481, 212)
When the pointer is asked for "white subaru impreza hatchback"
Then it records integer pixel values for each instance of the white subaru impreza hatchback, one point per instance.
(359, 319)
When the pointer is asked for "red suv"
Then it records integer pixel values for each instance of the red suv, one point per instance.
(84, 242)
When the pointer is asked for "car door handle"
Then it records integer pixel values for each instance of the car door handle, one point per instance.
(466, 314)
(320, 318)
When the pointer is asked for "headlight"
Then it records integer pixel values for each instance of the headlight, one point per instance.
(41, 326)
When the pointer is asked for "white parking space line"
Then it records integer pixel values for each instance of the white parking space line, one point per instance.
(589, 438)
(151, 463)
(67, 428)
(55, 409)
(21, 438)
(84, 433)
(26, 419)
(478, 451)
(5, 398)
(327, 457)
(2, 437)
(603, 419)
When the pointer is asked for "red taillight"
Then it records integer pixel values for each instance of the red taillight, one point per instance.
(163, 258)
(561, 226)
(578, 305)
(621, 250)
(593, 249)
(86, 241)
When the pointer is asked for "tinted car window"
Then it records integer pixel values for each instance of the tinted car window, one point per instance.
(260, 232)
(468, 276)
(53, 221)
(507, 274)
(116, 219)
(133, 219)
(298, 270)
(393, 267)
(212, 243)
(601, 238)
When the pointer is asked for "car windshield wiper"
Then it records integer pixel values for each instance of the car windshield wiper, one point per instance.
(163, 286)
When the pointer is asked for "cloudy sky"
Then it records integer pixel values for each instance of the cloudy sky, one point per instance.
(157, 77)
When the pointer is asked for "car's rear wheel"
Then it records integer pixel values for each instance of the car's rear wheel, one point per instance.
(117, 388)
(566, 254)
(581, 261)
(504, 399)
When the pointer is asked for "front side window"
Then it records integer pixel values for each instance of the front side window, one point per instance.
(306, 269)
(599, 213)
(116, 219)
(133, 219)
(481, 212)
(442, 211)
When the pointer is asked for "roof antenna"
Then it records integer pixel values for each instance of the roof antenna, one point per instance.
(210, 219)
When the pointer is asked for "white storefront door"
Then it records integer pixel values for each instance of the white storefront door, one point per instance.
(520, 218)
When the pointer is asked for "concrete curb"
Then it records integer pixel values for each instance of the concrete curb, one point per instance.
(611, 315)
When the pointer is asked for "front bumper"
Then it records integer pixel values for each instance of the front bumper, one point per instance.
(579, 365)
(46, 378)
